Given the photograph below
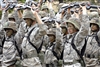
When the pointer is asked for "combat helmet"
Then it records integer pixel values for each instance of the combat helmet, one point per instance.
(10, 25)
(28, 14)
(51, 31)
(11, 15)
(63, 25)
(42, 14)
(60, 5)
(74, 21)
(95, 21)
(44, 7)
(93, 15)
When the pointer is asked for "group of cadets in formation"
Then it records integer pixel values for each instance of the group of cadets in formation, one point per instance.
(43, 38)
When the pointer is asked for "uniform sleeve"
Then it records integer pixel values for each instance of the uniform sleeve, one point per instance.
(84, 18)
(52, 13)
(17, 19)
(81, 35)
(38, 35)
(58, 46)
(1, 39)
(68, 15)
(4, 17)
(42, 29)
(20, 34)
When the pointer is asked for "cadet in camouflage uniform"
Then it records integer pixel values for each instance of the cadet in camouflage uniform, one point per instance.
(54, 48)
(42, 14)
(92, 53)
(1, 39)
(10, 52)
(48, 9)
(14, 16)
(64, 29)
(34, 34)
(76, 35)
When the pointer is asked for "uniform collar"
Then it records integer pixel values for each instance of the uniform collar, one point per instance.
(70, 35)
(33, 26)
(9, 38)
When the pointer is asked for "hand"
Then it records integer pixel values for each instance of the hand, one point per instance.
(98, 9)
(57, 25)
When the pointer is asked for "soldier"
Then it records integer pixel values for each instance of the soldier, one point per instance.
(48, 9)
(93, 15)
(64, 29)
(1, 39)
(92, 53)
(64, 32)
(33, 40)
(42, 14)
(10, 45)
(74, 43)
(45, 8)
(54, 48)
(14, 16)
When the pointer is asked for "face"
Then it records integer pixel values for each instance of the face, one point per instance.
(11, 19)
(46, 10)
(64, 31)
(94, 27)
(28, 21)
(71, 28)
(51, 38)
(48, 24)
(9, 32)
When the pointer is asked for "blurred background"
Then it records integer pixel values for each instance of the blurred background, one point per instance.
(56, 2)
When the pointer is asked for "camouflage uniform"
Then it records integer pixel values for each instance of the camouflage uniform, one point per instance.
(93, 15)
(50, 59)
(42, 14)
(1, 39)
(30, 54)
(50, 12)
(4, 17)
(14, 14)
(71, 58)
(10, 53)
(92, 53)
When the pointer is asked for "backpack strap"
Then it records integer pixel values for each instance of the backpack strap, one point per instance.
(97, 39)
(18, 50)
(28, 38)
(54, 53)
(15, 43)
(77, 51)
(39, 49)
(3, 40)
(84, 47)
(61, 57)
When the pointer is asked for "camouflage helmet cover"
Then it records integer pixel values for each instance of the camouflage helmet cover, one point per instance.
(93, 15)
(63, 25)
(51, 32)
(28, 14)
(60, 5)
(95, 21)
(44, 7)
(42, 14)
(11, 15)
(10, 25)
(74, 21)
